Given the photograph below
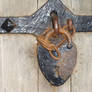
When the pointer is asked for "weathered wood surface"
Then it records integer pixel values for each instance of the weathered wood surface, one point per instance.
(19, 7)
(79, 7)
(40, 3)
(28, 7)
(0, 67)
(82, 77)
(19, 65)
(19, 71)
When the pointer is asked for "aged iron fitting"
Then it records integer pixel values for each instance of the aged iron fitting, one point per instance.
(56, 51)
(40, 20)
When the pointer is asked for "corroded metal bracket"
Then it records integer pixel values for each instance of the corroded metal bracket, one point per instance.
(41, 20)
(57, 53)
(56, 70)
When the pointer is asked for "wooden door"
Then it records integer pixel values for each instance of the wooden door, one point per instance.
(19, 70)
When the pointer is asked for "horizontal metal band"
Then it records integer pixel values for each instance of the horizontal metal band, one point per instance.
(41, 20)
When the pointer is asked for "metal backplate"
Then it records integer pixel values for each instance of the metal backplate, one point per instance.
(41, 20)
(57, 72)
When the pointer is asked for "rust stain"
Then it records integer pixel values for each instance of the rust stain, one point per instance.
(43, 39)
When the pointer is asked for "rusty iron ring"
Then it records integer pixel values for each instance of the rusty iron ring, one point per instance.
(43, 39)
(49, 46)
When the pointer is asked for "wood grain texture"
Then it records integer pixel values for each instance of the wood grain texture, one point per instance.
(65, 88)
(19, 63)
(19, 68)
(41, 3)
(67, 3)
(82, 77)
(17, 7)
(1, 86)
(28, 7)
(79, 7)
(83, 7)
(44, 85)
